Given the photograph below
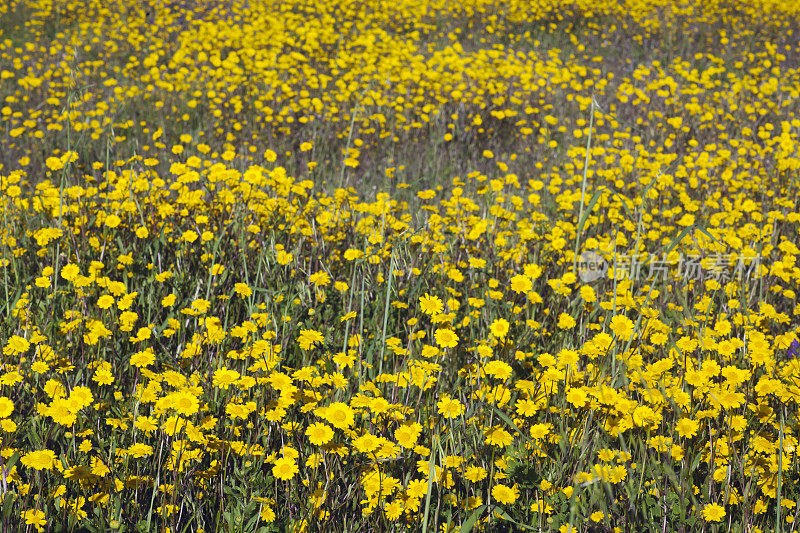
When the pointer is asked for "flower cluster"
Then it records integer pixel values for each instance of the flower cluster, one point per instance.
(308, 263)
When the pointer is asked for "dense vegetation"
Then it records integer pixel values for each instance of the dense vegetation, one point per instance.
(321, 266)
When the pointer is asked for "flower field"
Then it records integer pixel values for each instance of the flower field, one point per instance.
(362, 265)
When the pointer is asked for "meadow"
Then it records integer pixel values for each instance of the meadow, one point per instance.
(411, 265)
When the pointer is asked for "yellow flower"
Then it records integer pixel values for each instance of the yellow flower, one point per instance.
(103, 377)
(34, 517)
(622, 327)
(407, 434)
(62, 412)
(70, 272)
(339, 414)
(366, 443)
(588, 294)
(112, 221)
(497, 436)
(146, 424)
(449, 407)
(319, 434)
(520, 283)
(143, 358)
(243, 290)
(285, 468)
(498, 369)
(283, 257)
(686, 427)
(140, 450)
(319, 279)
(565, 321)
(240, 410)
(198, 307)
(577, 397)
(308, 338)
(127, 320)
(540, 431)
(505, 494)
(54, 163)
(446, 338)
(11, 378)
(16, 345)
(224, 378)
(6, 407)
(40, 367)
(185, 403)
(352, 255)
(430, 305)
(267, 514)
(475, 473)
(455, 275)
(39, 460)
(45, 235)
(500, 327)
(713, 512)
(80, 397)
(658, 338)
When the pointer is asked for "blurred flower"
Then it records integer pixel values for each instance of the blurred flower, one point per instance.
(505, 494)
(39, 460)
(308, 338)
(430, 305)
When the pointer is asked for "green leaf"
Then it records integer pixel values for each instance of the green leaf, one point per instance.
(467, 526)
(12, 460)
(505, 516)
(34, 437)
(253, 522)
(8, 503)
(695, 463)
(431, 472)
(588, 209)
